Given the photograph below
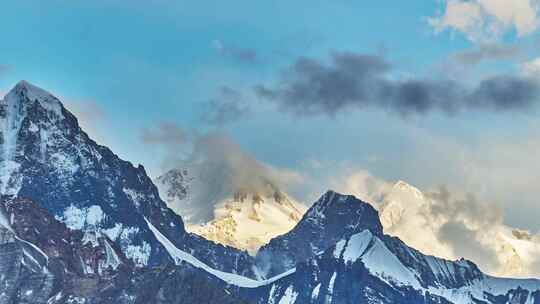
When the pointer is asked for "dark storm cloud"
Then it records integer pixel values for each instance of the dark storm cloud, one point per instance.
(229, 105)
(353, 81)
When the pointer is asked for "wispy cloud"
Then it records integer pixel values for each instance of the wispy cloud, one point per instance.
(487, 52)
(165, 133)
(220, 165)
(227, 106)
(244, 55)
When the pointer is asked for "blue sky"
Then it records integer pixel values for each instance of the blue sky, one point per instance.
(126, 67)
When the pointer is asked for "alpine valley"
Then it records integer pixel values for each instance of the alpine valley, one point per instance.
(80, 225)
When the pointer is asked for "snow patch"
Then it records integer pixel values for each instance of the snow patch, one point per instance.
(112, 260)
(114, 232)
(357, 245)
(315, 292)
(139, 254)
(33, 128)
(289, 297)
(81, 218)
(134, 196)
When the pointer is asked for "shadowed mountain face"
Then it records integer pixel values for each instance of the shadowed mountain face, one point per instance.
(80, 225)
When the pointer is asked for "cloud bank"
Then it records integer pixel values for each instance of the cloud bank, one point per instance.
(352, 81)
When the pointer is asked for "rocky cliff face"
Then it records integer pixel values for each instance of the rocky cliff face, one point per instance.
(42, 259)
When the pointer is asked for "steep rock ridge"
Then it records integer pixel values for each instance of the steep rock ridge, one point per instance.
(331, 218)
(45, 155)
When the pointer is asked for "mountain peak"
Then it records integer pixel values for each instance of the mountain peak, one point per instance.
(24, 83)
(26, 94)
(25, 88)
(332, 200)
(341, 207)
(401, 186)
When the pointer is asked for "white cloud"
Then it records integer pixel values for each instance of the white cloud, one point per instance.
(361, 184)
(487, 20)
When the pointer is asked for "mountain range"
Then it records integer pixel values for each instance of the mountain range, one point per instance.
(80, 225)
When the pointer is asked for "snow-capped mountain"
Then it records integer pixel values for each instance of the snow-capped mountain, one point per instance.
(244, 219)
(402, 211)
(248, 221)
(46, 156)
(78, 225)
